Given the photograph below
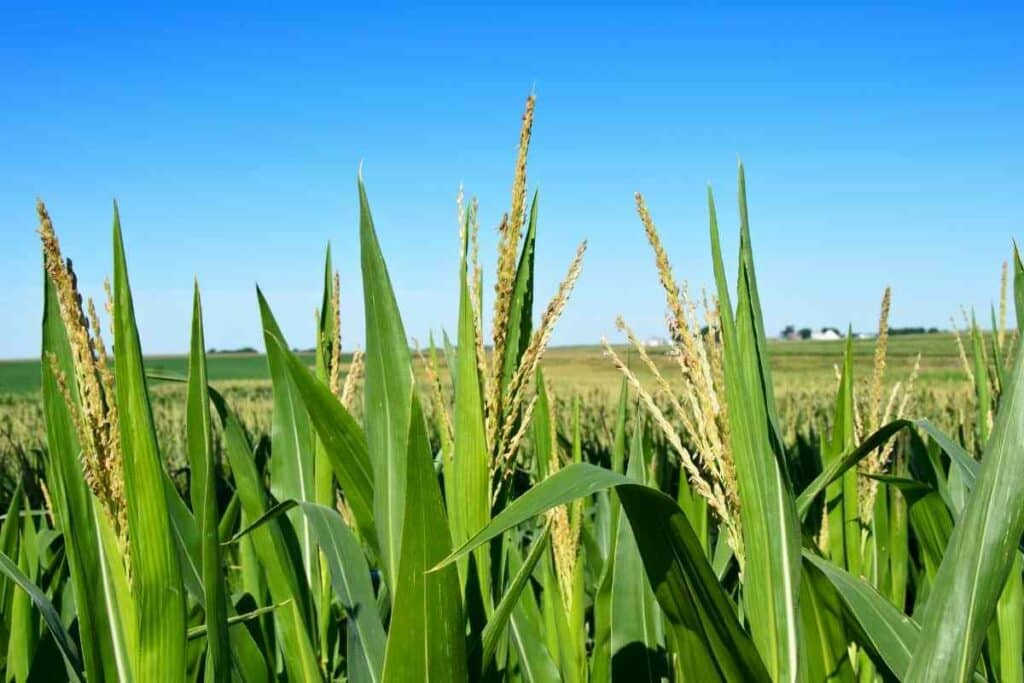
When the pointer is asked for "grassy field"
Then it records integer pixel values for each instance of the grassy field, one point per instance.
(585, 367)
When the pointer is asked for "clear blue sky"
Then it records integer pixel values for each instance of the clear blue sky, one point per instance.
(883, 145)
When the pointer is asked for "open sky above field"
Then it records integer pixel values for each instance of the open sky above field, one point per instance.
(882, 145)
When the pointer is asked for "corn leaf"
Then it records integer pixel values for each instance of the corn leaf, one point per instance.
(520, 314)
(496, 625)
(981, 551)
(387, 390)
(427, 637)
(884, 630)
(23, 621)
(469, 503)
(827, 651)
(771, 537)
(684, 584)
(285, 580)
(292, 458)
(65, 644)
(156, 577)
(635, 617)
(343, 440)
(204, 503)
(102, 635)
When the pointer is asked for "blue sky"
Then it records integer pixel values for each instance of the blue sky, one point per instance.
(882, 145)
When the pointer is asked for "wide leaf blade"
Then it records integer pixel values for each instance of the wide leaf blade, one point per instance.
(981, 551)
(427, 637)
(156, 577)
(204, 503)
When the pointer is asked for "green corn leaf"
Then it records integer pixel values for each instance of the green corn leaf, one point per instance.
(229, 518)
(543, 430)
(327, 341)
(520, 315)
(285, 580)
(204, 503)
(841, 495)
(350, 578)
(187, 541)
(982, 388)
(967, 466)
(601, 657)
(22, 620)
(9, 547)
(156, 577)
(683, 582)
(102, 632)
(981, 551)
(771, 536)
(635, 616)
(115, 596)
(998, 354)
(292, 459)
(202, 630)
(899, 541)
(65, 644)
(427, 637)
(1018, 287)
(827, 651)
(496, 625)
(837, 467)
(883, 629)
(536, 665)
(1010, 622)
(343, 440)
(388, 390)
(748, 281)
(469, 505)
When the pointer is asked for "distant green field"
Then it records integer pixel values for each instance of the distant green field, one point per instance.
(23, 377)
(585, 367)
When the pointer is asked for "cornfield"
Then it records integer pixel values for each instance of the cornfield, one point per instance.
(365, 521)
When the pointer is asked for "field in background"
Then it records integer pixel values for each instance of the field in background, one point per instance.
(586, 368)
(804, 372)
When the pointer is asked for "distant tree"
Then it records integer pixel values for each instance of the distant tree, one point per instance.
(788, 332)
(244, 349)
(805, 333)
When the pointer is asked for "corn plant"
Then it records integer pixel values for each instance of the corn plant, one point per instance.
(476, 531)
